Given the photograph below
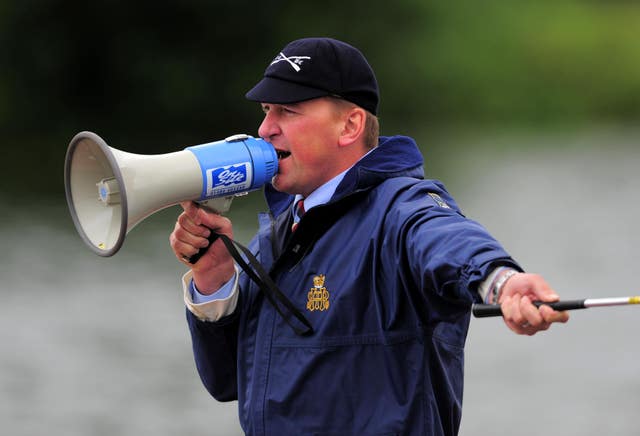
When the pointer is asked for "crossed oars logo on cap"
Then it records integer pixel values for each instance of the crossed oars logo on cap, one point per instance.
(294, 61)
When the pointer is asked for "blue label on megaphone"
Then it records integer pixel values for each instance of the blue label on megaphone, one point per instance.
(229, 179)
(238, 164)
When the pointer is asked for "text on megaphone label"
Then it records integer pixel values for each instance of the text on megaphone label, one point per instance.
(228, 179)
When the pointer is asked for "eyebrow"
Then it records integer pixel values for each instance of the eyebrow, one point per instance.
(267, 106)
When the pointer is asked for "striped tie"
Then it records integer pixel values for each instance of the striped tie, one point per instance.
(299, 212)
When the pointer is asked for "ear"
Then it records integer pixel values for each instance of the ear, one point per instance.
(353, 128)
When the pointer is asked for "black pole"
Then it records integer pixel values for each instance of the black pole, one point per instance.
(488, 310)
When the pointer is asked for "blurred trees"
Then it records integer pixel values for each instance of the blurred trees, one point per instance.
(152, 77)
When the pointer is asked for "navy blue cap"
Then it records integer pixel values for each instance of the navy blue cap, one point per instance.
(316, 67)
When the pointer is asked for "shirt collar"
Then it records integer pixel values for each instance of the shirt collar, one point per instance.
(323, 193)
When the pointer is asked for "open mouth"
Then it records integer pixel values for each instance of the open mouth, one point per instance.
(282, 154)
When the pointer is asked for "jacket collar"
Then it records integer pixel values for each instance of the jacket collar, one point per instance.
(395, 156)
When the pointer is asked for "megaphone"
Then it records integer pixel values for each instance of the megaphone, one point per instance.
(109, 191)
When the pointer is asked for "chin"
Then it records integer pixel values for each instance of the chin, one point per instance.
(278, 185)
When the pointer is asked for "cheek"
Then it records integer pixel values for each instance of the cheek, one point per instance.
(314, 141)
(303, 144)
(311, 155)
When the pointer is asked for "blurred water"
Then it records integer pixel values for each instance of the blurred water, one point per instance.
(95, 346)
(573, 217)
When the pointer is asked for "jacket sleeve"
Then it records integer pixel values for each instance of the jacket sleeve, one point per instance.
(215, 347)
(448, 253)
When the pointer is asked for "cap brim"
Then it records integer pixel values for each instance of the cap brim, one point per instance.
(273, 90)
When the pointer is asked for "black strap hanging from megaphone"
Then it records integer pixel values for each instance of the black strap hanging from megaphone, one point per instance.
(257, 273)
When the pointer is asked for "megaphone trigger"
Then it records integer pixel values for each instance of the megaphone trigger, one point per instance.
(218, 205)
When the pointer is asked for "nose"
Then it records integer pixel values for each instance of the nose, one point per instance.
(269, 127)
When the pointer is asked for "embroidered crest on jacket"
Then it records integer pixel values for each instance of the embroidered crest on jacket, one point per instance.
(318, 296)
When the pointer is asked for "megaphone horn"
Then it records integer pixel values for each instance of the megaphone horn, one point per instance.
(109, 191)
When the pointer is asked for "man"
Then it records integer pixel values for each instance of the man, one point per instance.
(381, 263)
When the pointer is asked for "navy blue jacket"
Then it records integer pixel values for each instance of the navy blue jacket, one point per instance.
(386, 273)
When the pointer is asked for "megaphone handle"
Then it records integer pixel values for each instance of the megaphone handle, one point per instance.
(217, 205)
(212, 238)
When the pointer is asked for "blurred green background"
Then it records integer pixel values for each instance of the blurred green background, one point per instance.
(152, 77)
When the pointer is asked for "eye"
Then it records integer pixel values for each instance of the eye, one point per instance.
(288, 110)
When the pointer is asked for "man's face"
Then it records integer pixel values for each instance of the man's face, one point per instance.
(305, 136)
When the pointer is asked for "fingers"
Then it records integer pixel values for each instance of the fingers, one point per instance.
(202, 221)
(519, 313)
(521, 316)
(524, 318)
(192, 226)
(552, 316)
(191, 231)
(191, 209)
(188, 238)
